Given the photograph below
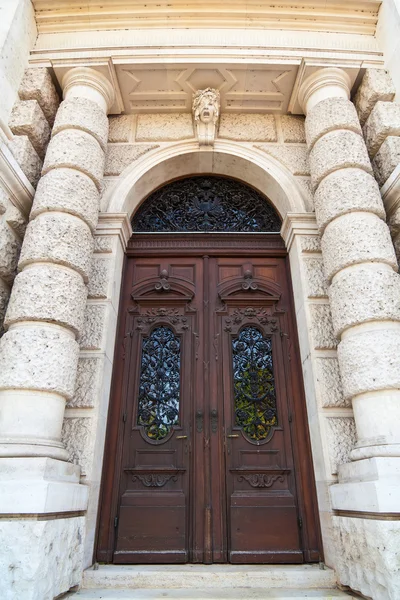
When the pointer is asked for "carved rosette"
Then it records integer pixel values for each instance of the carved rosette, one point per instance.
(206, 111)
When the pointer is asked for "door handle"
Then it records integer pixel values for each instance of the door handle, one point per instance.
(233, 435)
(181, 437)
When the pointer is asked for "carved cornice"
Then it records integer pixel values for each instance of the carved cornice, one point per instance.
(390, 192)
(298, 224)
(115, 224)
(90, 78)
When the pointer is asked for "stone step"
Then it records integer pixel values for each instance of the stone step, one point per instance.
(202, 577)
(243, 593)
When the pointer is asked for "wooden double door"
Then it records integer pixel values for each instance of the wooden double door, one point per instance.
(207, 456)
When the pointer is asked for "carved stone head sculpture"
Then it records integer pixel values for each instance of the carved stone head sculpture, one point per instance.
(206, 106)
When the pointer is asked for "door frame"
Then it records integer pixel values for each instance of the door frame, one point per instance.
(228, 244)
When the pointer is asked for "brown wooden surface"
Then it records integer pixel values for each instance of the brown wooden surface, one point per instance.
(208, 497)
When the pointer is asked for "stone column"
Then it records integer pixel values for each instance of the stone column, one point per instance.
(39, 352)
(364, 290)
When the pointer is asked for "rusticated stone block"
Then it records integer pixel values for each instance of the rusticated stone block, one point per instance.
(94, 321)
(356, 238)
(103, 244)
(99, 280)
(383, 121)
(250, 127)
(4, 201)
(67, 190)
(386, 159)
(51, 293)
(77, 150)
(27, 158)
(164, 127)
(120, 128)
(376, 85)
(121, 156)
(37, 85)
(309, 243)
(4, 296)
(330, 383)
(338, 150)
(294, 158)
(370, 361)
(366, 293)
(39, 358)
(341, 440)
(60, 238)
(85, 115)
(27, 118)
(346, 191)
(322, 329)
(9, 252)
(87, 383)
(315, 277)
(16, 220)
(368, 554)
(329, 115)
(78, 438)
(293, 129)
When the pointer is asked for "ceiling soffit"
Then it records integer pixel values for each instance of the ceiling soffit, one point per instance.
(338, 16)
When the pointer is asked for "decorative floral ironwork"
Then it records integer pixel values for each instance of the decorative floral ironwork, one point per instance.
(159, 384)
(254, 385)
(206, 203)
(155, 479)
(259, 480)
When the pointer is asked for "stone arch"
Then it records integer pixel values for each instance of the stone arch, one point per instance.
(248, 164)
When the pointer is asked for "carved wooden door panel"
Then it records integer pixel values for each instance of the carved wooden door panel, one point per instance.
(261, 494)
(156, 482)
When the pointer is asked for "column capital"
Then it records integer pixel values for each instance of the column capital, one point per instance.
(88, 83)
(330, 82)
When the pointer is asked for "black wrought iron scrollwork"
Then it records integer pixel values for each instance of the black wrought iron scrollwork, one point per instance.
(155, 479)
(159, 384)
(253, 383)
(260, 480)
(206, 203)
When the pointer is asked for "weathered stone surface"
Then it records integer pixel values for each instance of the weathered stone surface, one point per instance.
(9, 251)
(67, 190)
(87, 383)
(294, 158)
(337, 150)
(386, 159)
(27, 158)
(376, 85)
(250, 127)
(27, 118)
(4, 201)
(164, 127)
(60, 238)
(77, 150)
(37, 85)
(322, 329)
(305, 184)
(293, 129)
(94, 321)
(39, 358)
(347, 191)
(121, 156)
(329, 115)
(16, 220)
(341, 440)
(85, 115)
(368, 554)
(330, 383)
(356, 238)
(106, 186)
(120, 128)
(370, 361)
(366, 293)
(100, 275)
(103, 243)
(310, 243)
(315, 277)
(48, 293)
(78, 438)
(383, 121)
(4, 296)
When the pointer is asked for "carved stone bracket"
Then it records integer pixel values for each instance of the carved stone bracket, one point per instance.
(206, 110)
